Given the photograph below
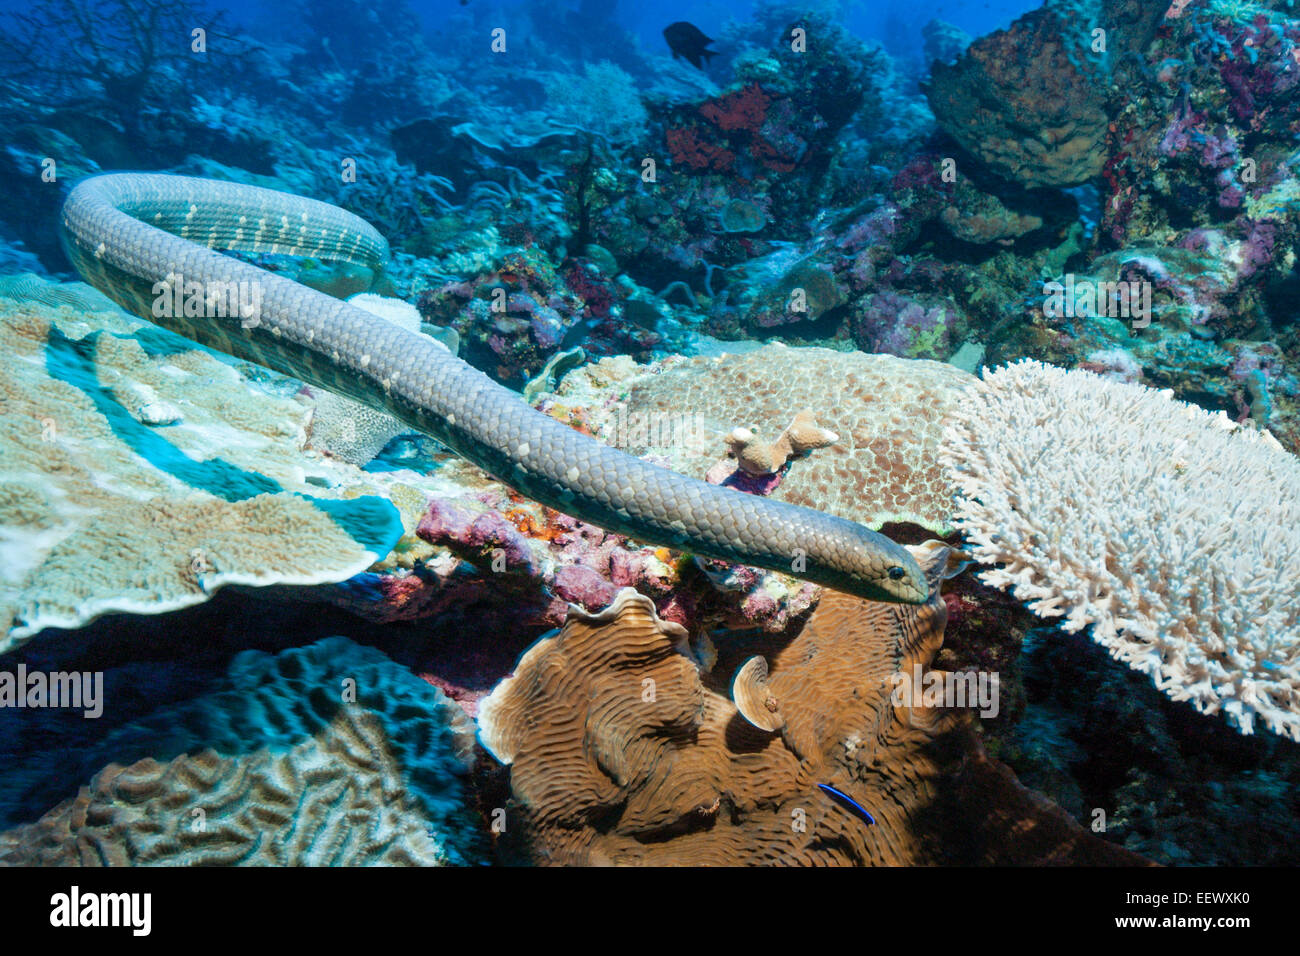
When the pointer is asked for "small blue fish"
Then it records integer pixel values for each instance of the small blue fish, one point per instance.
(847, 802)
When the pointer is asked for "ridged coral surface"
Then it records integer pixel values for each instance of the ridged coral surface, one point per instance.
(104, 506)
(1169, 530)
(620, 755)
(888, 413)
(278, 767)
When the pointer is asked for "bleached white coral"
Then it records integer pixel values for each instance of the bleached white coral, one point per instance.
(1170, 530)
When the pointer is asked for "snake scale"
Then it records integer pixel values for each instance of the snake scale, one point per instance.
(128, 232)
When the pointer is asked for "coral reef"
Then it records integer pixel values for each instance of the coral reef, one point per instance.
(678, 258)
(887, 412)
(514, 318)
(175, 522)
(1028, 101)
(545, 561)
(325, 755)
(620, 754)
(1188, 582)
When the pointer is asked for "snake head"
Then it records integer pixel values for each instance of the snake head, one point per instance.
(886, 571)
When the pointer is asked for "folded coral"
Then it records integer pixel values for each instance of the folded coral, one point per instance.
(620, 754)
(330, 754)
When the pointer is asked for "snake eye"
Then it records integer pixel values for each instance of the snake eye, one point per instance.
(897, 573)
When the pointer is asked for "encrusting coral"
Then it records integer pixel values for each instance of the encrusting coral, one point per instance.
(620, 754)
(886, 412)
(330, 754)
(1171, 531)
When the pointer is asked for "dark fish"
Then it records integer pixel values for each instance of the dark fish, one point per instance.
(686, 41)
(847, 802)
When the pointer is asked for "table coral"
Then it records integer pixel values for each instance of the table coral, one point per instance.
(215, 498)
(1190, 582)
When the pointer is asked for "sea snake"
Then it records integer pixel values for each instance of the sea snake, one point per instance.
(135, 236)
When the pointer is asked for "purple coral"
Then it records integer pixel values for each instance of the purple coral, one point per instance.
(477, 537)
(898, 325)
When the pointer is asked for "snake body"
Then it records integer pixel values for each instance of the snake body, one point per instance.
(135, 236)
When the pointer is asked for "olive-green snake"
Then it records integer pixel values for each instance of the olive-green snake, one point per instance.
(135, 235)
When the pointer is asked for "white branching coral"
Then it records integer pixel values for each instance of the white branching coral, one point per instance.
(1172, 531)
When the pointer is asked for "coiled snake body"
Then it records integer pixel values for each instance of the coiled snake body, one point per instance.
(128, 232)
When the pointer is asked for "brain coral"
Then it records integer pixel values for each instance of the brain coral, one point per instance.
(888, 413)
(620, 754)
(101, 511)
(277, 766)
(1170, 531)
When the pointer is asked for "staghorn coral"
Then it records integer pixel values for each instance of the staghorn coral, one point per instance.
(1167, 529)
(102, 511)
(276, 766)
(887, 411)
(621, 755)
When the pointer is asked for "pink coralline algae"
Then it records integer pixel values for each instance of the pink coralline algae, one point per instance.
(1118, 364)
(729, 475)
(1259, 67)
(899, 325)
(1214, 148)
(876, 227)
(530, 563)
(513, 318)
(485, 537)
(1240, 258)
